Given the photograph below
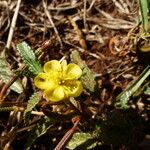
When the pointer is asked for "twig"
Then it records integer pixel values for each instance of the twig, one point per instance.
(25, 128)
(65, 8)
(119, 6)
(91, 5)
(13, 24)
(62, 144)
(5, 88)
(106, 15)
(124, 4)
(37, 113)
(83, 50)
(84, 14)
(115, 23)
(52, 23)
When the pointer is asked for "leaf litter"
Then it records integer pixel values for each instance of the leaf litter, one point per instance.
(104, 33)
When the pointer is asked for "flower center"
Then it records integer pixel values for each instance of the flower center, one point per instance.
(61, 82)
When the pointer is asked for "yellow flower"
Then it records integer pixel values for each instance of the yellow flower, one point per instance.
(59, 80)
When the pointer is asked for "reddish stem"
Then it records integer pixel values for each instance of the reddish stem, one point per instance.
(61, 145)
(5, 88)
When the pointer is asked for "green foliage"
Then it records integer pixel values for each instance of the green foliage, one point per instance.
(40, 128)
(6, 73)
(87, 78)
(21, 72)
(147, 91)
(123, 98)
(29, 58)
(33, 101)
(82, 141)
(144, 13)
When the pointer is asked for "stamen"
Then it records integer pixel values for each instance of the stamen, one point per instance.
(61, 82)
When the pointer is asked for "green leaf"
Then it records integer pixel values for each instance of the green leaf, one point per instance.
(147, 91)
(29, 58)
(82, 141)
(6, 74)
(87, 78)
(144, 13)
(41, 128)
(33, 101)
(123, 98)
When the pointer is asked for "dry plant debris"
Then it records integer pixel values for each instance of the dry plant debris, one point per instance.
(102, 31)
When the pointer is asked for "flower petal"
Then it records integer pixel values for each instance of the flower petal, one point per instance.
(64, 66)
(73, 88)
(52, 67)
(55, 95)
(45, 81)
(73, 72)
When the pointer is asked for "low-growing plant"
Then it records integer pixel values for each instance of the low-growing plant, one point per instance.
(59, 86)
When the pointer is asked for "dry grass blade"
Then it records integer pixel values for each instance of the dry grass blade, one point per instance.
(84, 14)
(104, 33)
(113, 23)
(13, 24)
(52, 23)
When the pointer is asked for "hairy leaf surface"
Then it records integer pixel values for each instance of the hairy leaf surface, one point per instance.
(29, 58)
